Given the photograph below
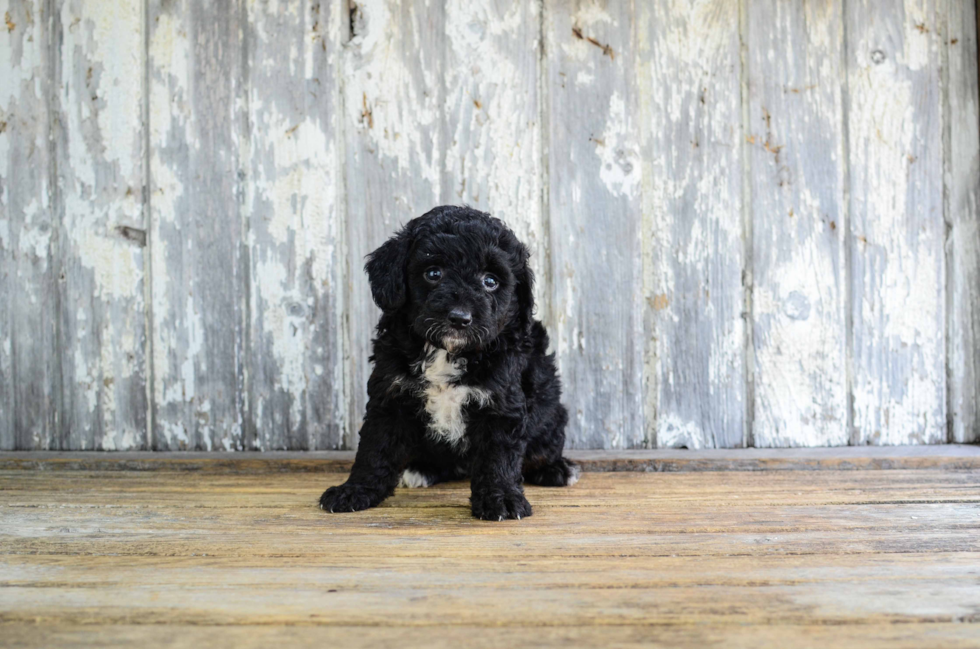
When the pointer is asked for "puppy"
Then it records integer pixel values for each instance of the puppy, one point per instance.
(461, 386)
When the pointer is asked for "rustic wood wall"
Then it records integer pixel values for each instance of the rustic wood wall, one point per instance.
(753, 223)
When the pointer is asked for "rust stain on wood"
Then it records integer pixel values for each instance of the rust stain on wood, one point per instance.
(660, 301)
(606, 49)
(366, 114)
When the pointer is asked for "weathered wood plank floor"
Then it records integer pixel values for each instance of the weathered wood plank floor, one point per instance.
(735, 559)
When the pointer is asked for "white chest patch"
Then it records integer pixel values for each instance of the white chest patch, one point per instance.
(445, 399)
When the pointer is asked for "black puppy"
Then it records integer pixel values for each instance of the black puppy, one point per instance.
(461, 385)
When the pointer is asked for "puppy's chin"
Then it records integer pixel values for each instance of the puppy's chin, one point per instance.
(454, 343)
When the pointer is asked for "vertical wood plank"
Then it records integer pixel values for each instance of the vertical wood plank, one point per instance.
(296, 367)
(897, 228)
(393, 101)
(99, 145)
(963, 247)
(30, 371)
(692, 231)
(492, 120)
(594, 219)
(797, 191)
(198, 267)
(441, 108)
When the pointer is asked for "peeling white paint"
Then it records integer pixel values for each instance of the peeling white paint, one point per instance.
(797, 191)
(963, 239)
(692, 225)
(673, 432)
(100, 167)
(897, 230)
(594, 210)
(919, 46)
(286, 332)
(112, 39)
(584, 78)
(394, 115)
(300, 193)
(35, 238)
(620, 160)
(295, 229)
(445, 104)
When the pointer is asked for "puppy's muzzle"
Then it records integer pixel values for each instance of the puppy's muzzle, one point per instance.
(460, 318)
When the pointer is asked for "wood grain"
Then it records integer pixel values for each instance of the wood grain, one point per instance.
(692, 223)
(102, 232)
(198, 261)
(962, 144)
(293, 207)
(594, 219)
(886, 635)
(798, 168)
(897, 231)
(636, 557)
(30, 358)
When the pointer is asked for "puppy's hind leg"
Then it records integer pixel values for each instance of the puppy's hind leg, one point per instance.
(543, 463)
(561, 472)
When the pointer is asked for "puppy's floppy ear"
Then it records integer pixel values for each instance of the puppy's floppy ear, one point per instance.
(386, 271)
(524, 289)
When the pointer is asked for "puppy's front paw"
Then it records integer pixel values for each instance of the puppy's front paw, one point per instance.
(347, 498)
(497, 505)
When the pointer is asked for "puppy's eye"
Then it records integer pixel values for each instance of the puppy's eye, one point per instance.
(490, 282)
(433, 274)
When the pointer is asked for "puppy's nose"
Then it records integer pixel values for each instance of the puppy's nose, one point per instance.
(460, 318)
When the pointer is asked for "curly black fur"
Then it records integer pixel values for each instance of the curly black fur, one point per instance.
(462, 384)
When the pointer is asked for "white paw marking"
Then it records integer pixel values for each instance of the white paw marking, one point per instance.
(445, 399)
(413, 480)
(575, 473)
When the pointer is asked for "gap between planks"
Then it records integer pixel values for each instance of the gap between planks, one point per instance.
(947, 457)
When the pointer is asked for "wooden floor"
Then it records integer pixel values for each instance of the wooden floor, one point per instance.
(734, 559)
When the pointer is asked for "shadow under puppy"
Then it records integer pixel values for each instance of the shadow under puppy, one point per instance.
(462, 385)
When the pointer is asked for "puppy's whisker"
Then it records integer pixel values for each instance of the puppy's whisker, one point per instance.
(482, 335)
(432, 328)
(416, 323)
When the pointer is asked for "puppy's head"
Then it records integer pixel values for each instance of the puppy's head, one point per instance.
(460, 276)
